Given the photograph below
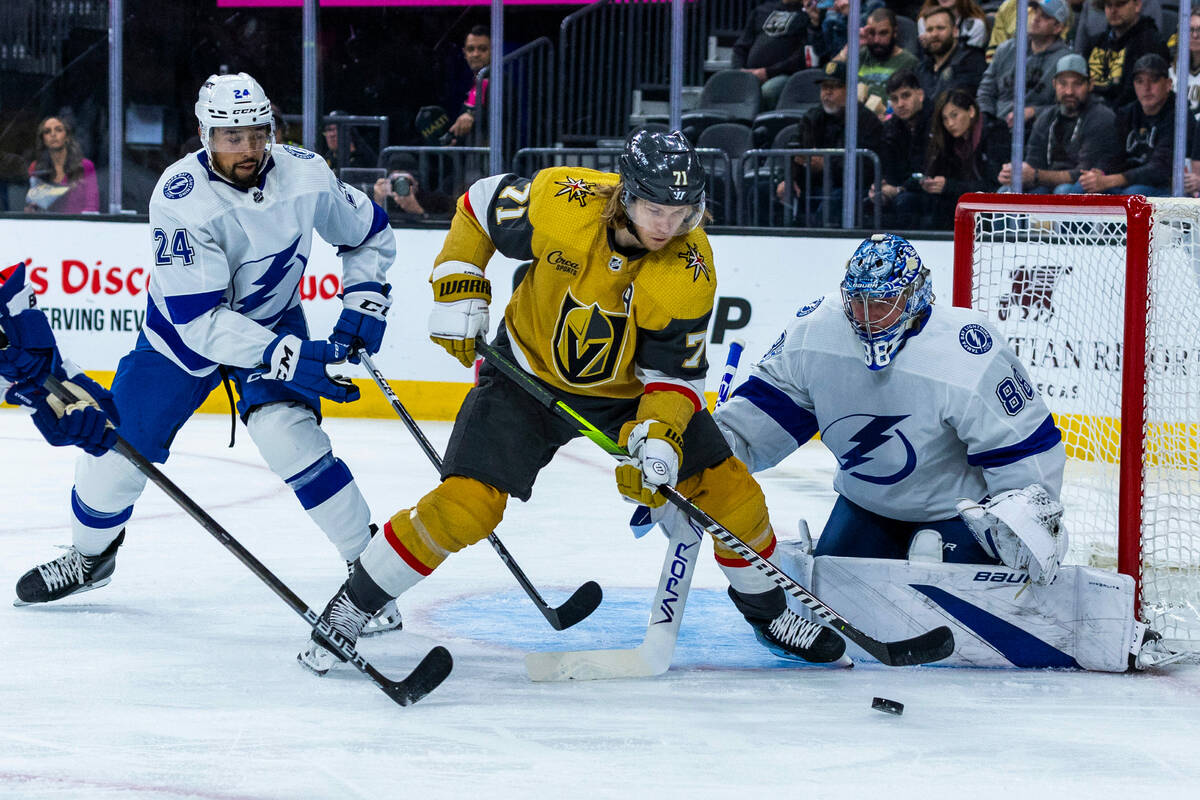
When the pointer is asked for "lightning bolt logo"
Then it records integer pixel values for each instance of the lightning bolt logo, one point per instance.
(273, 278)
(869, 438)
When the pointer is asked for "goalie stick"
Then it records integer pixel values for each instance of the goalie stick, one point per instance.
(425, 677)
(577, 607)
(930, 646)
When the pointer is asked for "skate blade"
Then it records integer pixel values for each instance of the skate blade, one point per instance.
(379, 625)
(18, 602)
(311, 667)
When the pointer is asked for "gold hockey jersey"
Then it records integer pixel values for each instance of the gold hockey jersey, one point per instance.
(586, 318)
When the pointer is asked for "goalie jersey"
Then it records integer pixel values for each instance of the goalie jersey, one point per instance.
(954, 416)
(588, 319)
(228, 261)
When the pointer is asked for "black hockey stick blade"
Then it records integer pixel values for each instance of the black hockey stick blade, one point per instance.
(434, 668)
(928, 647)
(577, 608)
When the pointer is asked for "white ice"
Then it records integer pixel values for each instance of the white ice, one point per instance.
(178, 680)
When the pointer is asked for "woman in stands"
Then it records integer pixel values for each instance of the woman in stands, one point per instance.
(972, 21)
(961, 157)
(61, 180)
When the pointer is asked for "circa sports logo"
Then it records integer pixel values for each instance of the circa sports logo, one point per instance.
(864, 440)
(1032, 293)
(808, 308)
(575, 189)
(299, 152)
(975, 339)
(178, 186)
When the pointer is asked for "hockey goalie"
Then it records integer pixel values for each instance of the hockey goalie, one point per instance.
(949, 469)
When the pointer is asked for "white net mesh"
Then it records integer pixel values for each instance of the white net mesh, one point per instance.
(1054, 283)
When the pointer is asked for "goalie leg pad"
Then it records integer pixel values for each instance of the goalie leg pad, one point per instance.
(298, 451)
(1084, 619)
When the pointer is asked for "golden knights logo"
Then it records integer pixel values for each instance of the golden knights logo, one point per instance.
(695, 262)
(588, 342)
(1032, 293)
(575, 189)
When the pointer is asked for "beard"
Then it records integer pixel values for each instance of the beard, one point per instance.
(940, 49)
(880, 52)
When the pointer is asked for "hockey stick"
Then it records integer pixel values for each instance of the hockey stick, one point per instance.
(653, 655)
(577, 607)
(930, 646)
(434, 667)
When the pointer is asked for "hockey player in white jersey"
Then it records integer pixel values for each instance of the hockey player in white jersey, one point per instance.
(28, 354)
(949, 470)
(231, 230)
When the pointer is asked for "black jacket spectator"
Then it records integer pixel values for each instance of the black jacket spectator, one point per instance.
(1149, 144)
(821, 129)
(1074, 144)
(774, 39)
(904, 145)
(1111, 60)
(963, 70)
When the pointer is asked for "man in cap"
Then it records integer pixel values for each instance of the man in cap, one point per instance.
(1129, 36)
(1146, 130)
(1047, 19)
(825, 126)
(1072, 136)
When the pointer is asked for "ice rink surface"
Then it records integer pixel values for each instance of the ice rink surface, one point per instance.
(178, 680)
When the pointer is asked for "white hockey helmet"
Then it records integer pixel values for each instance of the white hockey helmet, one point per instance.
(232, 101)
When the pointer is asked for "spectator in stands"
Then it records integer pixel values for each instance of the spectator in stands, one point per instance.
(833, 24)
(477, 50)
(1004, 26)
(402, 194)
(905, 140)
(781, 37)
(1047, 20)
(825, 126)
(1128, 37)
(361, 155)
(61, 180)
(1146, 129)
(1073, 136)
(946, 63)
(880, 57)
(970, 22)
(1193, 78)
(1092, 22)
(963, 156)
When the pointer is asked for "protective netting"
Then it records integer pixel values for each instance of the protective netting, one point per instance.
(1054, 282)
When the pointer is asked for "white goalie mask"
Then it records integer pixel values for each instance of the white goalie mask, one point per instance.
(233, 101)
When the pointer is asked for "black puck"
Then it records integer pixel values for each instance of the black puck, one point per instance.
(887, 706)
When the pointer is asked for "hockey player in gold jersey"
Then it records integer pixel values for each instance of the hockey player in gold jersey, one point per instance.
(612, 316)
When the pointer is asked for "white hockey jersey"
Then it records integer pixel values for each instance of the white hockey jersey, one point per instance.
(228, 261)
(954, 415)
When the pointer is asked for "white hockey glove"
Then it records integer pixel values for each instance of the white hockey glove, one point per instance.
(655, 451)
(460, 310)
(1023, 528)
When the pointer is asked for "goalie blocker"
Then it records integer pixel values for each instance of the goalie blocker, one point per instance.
(1082, 619)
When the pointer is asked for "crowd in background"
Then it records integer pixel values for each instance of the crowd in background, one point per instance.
(934, 91)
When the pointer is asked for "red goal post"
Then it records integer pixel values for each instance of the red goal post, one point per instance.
(1100, 297)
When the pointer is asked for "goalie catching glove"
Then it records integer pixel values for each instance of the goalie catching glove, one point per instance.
(460, 310)
(1023, 528)
(363, 319)
(655, 450)
(302, 363)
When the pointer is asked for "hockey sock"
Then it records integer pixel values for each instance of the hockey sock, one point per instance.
(365, 592)
(759, 608)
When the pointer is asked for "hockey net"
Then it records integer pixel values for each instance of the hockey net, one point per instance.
(1100, 298)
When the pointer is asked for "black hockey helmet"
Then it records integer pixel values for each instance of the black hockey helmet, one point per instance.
(662, 168)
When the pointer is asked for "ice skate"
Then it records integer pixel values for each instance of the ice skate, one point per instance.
(387, 618)
(1153, 652)
(347, 620)
(68, 574)
(793, 637)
